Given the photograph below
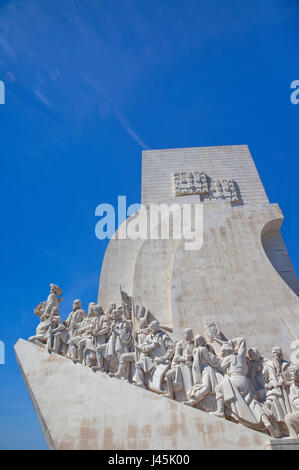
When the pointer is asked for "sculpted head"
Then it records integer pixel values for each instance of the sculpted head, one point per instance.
(76, 305)
(199, 341)
(226, 350)
(90, 309)
(188, 334)
(253, 354)
(116, 314)
(54, 289)
(277, 353)
(98, 310)
(154, 326)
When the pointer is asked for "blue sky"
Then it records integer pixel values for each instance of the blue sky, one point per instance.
(89, 85)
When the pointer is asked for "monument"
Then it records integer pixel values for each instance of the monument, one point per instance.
(197, 349)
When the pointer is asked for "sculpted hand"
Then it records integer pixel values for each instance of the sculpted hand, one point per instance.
(281, 382)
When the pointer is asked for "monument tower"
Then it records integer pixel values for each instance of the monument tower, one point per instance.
(242, 276)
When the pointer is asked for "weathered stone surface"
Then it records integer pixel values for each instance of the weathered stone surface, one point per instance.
(283, 444)
(233, 161)
(242, 276)
(80, 409)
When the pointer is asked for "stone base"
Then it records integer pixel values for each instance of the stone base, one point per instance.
(286, 443)
(80, 409)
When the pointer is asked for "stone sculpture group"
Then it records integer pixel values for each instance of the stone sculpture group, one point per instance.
(214, 374)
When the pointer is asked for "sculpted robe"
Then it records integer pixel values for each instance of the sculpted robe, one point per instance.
(238, 391)
(119, 342)
(156, 347)
(183, 370)
(206, 368)
(277, 389)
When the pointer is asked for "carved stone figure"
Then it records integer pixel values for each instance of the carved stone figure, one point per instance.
(101, 333)
(207, 374)
(292, 419)
(82, 330)
(120, 342)
(179, 377)
(235, 394)
(76, 316)
(256, 372)
(48, 320)
(62, 337)
(96, 335)
(155, 358)
(56, 326)
(132, 357)
(53, 300)
(88, 343)
(276, 373)
(48, 327)
(41, 337)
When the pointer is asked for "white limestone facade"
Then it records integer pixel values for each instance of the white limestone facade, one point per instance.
(242, 276)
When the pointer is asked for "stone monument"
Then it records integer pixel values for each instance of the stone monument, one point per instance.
(196, 349)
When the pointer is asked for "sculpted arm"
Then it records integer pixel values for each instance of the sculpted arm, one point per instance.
(178, 357)
(239, 345)
(225, 363)
(211, 359)
(59, 327)
(169, 346)
(82, 329)
(105, 328)
(148, 346)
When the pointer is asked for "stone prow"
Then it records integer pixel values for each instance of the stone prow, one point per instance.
(80, 409)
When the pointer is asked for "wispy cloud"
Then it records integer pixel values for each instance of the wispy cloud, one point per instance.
(86, 56)
(42, 98)
(131, 132)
